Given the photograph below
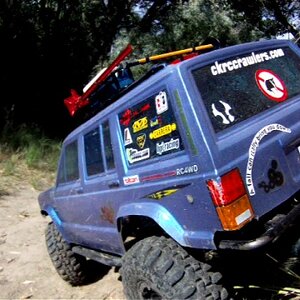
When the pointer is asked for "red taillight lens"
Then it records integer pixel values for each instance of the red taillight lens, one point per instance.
(229, 189)
(231, 200)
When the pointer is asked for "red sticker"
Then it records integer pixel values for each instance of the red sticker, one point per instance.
(271, 85)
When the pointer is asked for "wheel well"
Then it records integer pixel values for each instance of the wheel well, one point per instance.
(136, 228)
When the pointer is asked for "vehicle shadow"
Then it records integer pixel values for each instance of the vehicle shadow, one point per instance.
(96, 271)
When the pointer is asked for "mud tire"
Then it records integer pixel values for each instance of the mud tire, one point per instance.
(70, 266)
(158, 268)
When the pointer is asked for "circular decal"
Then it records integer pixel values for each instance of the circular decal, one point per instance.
(271, 85)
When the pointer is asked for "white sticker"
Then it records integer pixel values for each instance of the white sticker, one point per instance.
(161, 103)
(167, 146)
(252, 151)
(243, 217)
(127, 137)
(134, 155)
(227, 117)
(131, 179)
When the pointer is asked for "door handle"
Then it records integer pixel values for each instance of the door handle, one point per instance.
(114, 184)
(79, 190)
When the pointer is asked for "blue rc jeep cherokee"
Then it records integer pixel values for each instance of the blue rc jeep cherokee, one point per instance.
(199, 161)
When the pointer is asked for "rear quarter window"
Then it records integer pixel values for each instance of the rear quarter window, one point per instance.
(68, 169)
(149, 129)
(242, 86)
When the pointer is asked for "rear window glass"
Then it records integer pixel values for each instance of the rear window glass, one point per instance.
(242, 86)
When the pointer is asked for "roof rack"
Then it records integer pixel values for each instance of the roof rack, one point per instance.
(111, 83)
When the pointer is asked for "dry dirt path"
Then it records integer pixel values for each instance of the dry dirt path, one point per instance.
(26, 271)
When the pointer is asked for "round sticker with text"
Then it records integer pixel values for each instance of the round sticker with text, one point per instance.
(271, 85)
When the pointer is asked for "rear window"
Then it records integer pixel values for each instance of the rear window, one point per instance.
(242, 86)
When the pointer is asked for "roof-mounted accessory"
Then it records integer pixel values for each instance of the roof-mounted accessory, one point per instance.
(74, 102)
(114, 81)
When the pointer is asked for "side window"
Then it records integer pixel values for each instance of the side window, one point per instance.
(93, 157)
(68, 170)
(98, 157)
(108, 151)
(149, 129)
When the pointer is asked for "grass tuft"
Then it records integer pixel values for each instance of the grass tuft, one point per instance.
(26, 154)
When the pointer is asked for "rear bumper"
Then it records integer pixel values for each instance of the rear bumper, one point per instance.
(277, 228)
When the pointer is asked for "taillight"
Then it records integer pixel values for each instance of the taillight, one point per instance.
(231, 200)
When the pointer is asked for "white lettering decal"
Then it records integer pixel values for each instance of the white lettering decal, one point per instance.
(167, 146)
(187, 170)
(228, 66)
(253, 148)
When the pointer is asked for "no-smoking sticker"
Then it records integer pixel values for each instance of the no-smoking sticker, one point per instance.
(271, 85)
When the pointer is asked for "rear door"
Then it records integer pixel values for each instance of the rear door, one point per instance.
(251, 102)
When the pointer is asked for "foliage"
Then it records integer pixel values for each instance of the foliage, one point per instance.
(50, 46)
(272, 17)
(183, 26)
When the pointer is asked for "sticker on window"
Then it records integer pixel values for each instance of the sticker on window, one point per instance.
(127, 137)
(271, 85)
(150, 129)
(161, 103)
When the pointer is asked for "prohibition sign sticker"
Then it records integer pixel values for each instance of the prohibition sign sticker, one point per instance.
(271, 85)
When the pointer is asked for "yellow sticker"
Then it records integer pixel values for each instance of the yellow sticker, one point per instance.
(162, 194)
(167, 129)
(140, 124)
(140, 140)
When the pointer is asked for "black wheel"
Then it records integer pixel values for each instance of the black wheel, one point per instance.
(70, 266)
(158, 268)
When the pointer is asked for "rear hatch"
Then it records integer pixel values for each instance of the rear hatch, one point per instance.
(250, 97)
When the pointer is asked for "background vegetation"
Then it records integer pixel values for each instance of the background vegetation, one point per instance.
(51, 46)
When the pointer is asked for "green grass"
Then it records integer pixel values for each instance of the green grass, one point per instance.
(27, 155)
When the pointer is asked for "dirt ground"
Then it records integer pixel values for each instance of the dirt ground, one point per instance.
(26, 271)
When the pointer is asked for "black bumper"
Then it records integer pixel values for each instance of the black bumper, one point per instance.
(277, 229)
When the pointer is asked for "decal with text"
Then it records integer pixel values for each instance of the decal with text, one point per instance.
(253, 148)
(128, 180)
(150, 129)
(238, 63)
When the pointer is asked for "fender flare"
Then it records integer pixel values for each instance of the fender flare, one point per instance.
(160, 215)
(53, 215)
